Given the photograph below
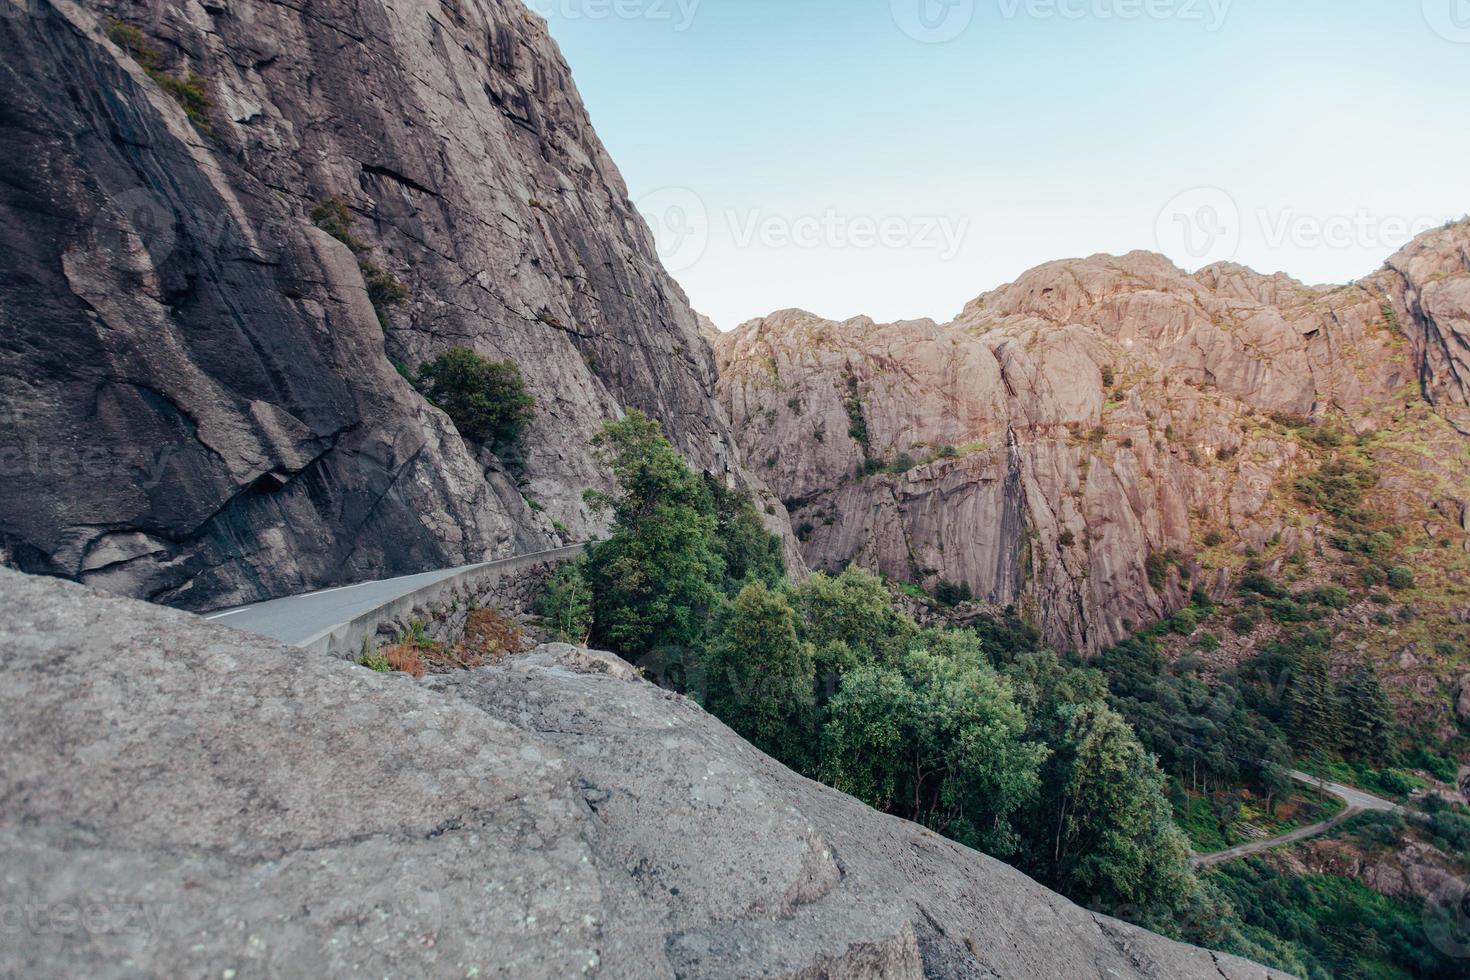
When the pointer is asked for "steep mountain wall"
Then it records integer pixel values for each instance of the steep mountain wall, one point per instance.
(1073, 443)
(200, 397)
(552, 816)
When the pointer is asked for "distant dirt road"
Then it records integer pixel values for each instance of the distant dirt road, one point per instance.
(1357, 802)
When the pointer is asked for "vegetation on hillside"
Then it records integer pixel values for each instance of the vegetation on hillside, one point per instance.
(1079, 774)
(486, 400)
(1007, 750)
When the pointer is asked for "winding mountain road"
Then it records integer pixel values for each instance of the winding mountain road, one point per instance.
(1357, 802)
(302, 619)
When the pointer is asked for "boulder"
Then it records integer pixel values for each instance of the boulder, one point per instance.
(180, 799)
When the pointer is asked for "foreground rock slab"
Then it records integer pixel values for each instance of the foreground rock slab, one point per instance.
(179, 799)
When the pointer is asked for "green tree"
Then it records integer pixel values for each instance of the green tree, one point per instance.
(566, 606)
(748, 549)
(760, 676)
(654, 581)
(1107, 836)
(1366, 714)
(486, 400)
(1312, 707)
(938, 740)
(853, 611)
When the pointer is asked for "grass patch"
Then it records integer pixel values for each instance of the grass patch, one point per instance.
(191, 91)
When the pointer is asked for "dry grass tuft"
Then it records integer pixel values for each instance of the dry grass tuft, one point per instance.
(404, 658)
(491, 637)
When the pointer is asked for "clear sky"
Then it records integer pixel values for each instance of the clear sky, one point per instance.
(898, 157)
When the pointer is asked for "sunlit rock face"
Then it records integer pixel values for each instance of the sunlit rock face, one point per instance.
(1064, 428)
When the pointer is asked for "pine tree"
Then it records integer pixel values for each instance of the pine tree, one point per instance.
(1312, 704)
(1367, 715)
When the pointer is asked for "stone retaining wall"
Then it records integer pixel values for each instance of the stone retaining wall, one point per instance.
(511, 586)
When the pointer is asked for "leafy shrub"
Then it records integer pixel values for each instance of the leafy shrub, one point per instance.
(383, 287)
(656, 581)
(1156, 566)
(191, 93)
(1262, 585)
(952, 593)
(901, 464)
(1066, 539)
(1109, 376)
(1401, 578)
(1338, 488)
(486, 400)
(566, 606)
(1184, 622)
(376, 662)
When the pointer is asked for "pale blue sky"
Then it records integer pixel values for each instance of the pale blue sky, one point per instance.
(814, 153)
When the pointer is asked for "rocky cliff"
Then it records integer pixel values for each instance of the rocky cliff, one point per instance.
(198, 380)
(1099, 438)
(180, 799)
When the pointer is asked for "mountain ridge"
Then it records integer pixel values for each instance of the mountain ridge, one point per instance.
(1126, 361)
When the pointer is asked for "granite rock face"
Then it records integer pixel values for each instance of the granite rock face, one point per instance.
(1065, 428)
(200, 399)
(180, 799)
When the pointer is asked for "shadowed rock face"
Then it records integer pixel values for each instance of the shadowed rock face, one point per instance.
(199, 400)
(1096, 412)
(229, 804)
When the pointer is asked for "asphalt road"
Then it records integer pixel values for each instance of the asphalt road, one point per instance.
(1357, 802)
(296, 619)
